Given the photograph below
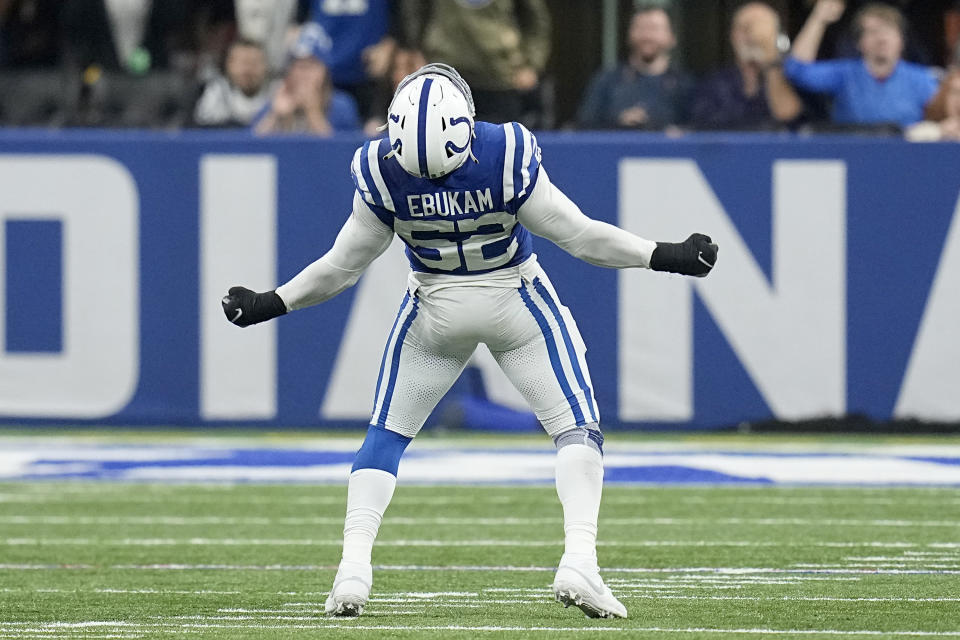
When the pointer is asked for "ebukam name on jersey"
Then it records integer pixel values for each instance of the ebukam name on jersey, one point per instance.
(448, 203)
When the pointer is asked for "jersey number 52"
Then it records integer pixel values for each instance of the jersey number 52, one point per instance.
(465, 245)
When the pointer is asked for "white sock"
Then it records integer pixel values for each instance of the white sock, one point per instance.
(368, 494)
(579, 487)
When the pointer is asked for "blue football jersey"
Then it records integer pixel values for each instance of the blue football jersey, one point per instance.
(465, 222)
(352, 25)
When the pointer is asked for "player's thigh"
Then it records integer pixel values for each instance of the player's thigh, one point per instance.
(570, 332)
(414, 376)
(548, 366)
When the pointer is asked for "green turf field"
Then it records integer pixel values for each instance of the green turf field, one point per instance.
(101, 560)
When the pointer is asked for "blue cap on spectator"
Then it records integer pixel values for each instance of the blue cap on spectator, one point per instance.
(313, 40)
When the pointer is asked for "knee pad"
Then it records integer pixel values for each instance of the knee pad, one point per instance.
(588, 435)
(381, 449)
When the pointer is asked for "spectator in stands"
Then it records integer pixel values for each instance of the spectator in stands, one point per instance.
(29, 33)
(943, 114)
(499, 46)
(213, 25)
(840, 41)
(955, 58)
(32, 90)
(752, 94)
(646, 91)
(878, 88)
(402, 63)
(134, 36)
(234, 98)
(361, 47)
(937, 107)
(306, 102)
(268, 23)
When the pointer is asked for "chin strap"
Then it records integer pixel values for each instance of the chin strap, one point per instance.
(473, 136)
(393, 151)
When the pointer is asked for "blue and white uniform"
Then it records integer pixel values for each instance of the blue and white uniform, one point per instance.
(465, 197)
(466, 222)
(474, 277)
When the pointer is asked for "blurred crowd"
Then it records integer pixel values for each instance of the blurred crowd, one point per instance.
(325, 66)
(864, 84)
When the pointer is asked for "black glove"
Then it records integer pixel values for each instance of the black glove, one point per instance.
(695, 256)
(244, 307)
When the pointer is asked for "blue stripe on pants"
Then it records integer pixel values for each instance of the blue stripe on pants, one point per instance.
(554, 356)
(574, 360)
(386, 347)
(395, 363)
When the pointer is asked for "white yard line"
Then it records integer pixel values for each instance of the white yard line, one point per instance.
(214, 622)
(237, 494)
(783, 598)
(522, 595)
(633, 630)
(376, 603)
(46, 635)
(159, 592)
(41, 567)
(241, 499)
(483, 542)
(739, 571)
(903, 558)
(72, 520)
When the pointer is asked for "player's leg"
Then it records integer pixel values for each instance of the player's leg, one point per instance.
(369, 491)
(414, 376)
(579, 480)
(548, 367)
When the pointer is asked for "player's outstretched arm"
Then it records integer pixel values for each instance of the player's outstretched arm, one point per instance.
(549, 213)
(360, 241)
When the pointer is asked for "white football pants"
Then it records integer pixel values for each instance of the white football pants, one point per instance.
(531, 335)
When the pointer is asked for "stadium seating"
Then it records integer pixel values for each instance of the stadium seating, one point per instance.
(58, 98)
(158, 100)
(35, 98)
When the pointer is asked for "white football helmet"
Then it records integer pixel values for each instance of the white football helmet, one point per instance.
(431, 121)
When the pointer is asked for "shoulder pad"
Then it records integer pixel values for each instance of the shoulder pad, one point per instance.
(521, 162)
(368, 178)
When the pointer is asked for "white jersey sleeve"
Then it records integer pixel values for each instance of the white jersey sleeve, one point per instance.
(361, 240)
(550, 214)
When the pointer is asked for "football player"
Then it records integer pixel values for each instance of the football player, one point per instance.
(465, 197)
